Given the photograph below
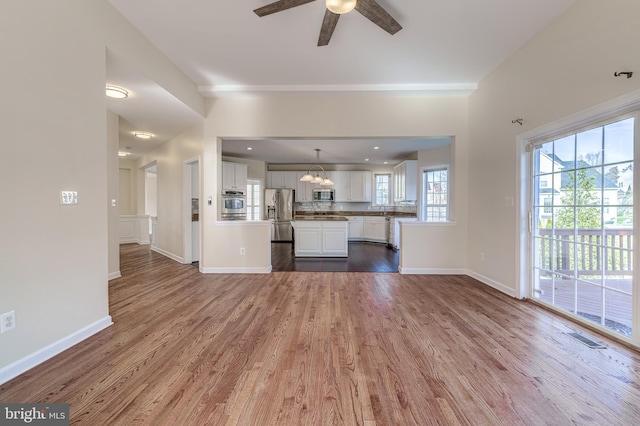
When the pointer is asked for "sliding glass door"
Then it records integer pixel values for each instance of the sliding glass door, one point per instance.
(582, 224)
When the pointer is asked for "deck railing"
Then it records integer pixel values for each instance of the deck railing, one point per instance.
(594, 252)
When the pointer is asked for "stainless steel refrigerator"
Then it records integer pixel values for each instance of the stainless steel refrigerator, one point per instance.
(278, 207)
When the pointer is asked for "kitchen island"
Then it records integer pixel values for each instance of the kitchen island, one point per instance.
(321, 236)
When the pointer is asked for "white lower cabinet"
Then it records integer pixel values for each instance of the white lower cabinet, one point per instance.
(375, 228)
(355, 227)
(321, 239)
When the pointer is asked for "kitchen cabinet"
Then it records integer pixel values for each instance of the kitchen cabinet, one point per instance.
(234, 176)
(352, 186)
(319, 238)
(405, 181)
(282, 179)
(303, 189)
(355, 227)
(375, 228)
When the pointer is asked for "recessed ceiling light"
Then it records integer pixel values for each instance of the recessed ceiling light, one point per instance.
(116, 92)
(122, 154)
(366, 159)
(249, 148)
(386, 162)
(142, 135)
(376, 147)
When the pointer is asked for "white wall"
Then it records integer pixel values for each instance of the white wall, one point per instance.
(566, 68)
(151, 194)
(113, 189)
(324, 116)
(128, 172)
(169, 160)
(54, 259)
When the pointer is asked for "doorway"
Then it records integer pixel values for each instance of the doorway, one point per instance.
(582, 224)
(191, 211)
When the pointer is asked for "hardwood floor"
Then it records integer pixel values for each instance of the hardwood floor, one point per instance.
(323, 348)
(363, 257)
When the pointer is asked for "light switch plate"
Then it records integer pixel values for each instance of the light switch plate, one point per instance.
(68, 197)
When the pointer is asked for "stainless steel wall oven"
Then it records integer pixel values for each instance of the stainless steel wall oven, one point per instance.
(233, 206)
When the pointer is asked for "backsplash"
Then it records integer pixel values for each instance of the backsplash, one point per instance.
(352, 207)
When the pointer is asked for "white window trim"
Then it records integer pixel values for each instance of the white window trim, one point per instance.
(374, 201)
(421, 206)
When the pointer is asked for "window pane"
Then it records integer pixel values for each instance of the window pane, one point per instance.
(618, 141)
(436, 195)
(382, 189)
(589, 147)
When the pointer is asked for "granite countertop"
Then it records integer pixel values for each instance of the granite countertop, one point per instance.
(343, 213)
(320, 218)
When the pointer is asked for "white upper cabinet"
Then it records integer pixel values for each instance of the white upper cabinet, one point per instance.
(234, 176)
(405, 181)
(360, 186)
(303, 189)
(352, 186)
(282, 179)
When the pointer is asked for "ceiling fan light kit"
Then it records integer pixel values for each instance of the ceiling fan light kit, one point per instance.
(370, 9)
(341, 6)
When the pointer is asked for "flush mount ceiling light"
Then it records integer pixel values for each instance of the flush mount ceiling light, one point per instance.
(322, 180)
(116, 92)
(341, 6)
(142, 135)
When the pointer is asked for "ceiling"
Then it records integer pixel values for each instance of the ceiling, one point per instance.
(225, 48)
(332, 151)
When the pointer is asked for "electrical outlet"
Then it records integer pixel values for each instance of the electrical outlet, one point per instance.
(7, 321)
(242, 251)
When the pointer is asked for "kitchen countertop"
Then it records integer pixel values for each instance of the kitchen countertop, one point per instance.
(343, 213)
(320, 218)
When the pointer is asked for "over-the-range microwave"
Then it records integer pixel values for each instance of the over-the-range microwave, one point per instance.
(323, 194)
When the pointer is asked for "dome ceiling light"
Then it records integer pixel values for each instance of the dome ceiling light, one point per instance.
(116, 92)
(143, 135)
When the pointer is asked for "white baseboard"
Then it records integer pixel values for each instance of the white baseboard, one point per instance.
(492, 283)
(432, 271)
(14, 369)
(167, 254)
(114, 275)
(238, 270)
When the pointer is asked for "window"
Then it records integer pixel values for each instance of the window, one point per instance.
(548, 205)
(382, 189)
(253, 199)
(435, 200)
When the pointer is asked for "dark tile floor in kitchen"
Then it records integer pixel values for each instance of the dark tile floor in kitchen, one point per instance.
(363, 257)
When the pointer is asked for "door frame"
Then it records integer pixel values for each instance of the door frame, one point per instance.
(187, 188)
(621, 105)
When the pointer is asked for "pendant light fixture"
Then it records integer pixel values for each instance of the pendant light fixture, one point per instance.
(321, 180)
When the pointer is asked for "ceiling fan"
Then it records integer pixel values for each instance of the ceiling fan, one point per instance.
(369, 8)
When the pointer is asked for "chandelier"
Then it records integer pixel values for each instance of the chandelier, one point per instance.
(322, 180)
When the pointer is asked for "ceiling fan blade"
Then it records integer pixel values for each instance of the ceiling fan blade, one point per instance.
(328, 25)
(376, 14)
(279, 6)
